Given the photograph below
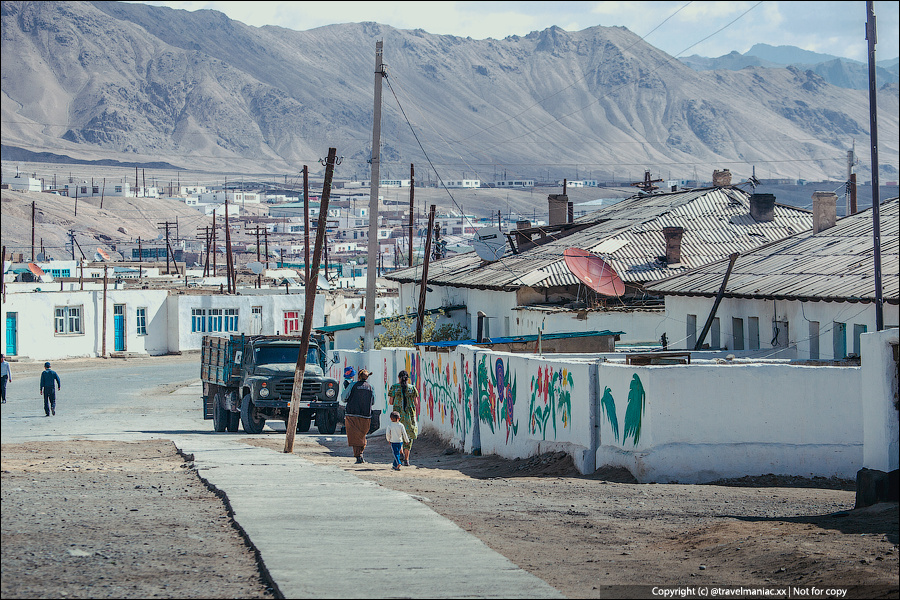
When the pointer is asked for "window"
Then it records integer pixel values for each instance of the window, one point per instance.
(753, 326)
(141, 321)
(291, 322)
(68, 320)
(691, 331)
(814, 340)
(198, 320)
(715, 338)
(231, 319)
(215, 320)
(118, 189)
(59, 272)
(839, 341)
(737, 333)
(858, 330)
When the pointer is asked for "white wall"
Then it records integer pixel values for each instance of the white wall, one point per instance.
(879, 393)
(37, 339)
(797, 314)
(640, 326)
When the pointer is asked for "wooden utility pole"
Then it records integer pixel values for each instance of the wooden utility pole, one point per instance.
(167, 224)
(305, 223)
(32, 231)
(300, 370)
(873, 136)
(369, 340)
(229, 261)
(712, 314)
(423, 288)
(412, 193)
(105, 281)
(102, 193)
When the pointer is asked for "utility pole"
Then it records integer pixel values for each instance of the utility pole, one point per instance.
(873, 128)
(305, 223)
(32, 231)
(229, 260)
(420, 322)
(105, 281)
(140, 257)
(167, 224)
(102, 193)
(369, 340)
(310, 292)
(412, 193)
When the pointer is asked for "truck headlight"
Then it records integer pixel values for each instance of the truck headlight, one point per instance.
(330, 392)
(264, 392)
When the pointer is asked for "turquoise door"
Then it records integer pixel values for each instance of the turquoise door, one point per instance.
(119, 327)
(11, 332)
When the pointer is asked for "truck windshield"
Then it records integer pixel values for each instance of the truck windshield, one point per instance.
(267, 355)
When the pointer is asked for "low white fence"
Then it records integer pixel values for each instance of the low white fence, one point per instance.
(687, 423)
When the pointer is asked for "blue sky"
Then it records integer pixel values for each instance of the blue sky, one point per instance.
(679, 28)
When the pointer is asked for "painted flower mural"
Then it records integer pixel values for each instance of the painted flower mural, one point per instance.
(551, 400)
(497, 397)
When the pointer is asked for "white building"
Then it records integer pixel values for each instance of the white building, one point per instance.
(463, 183)
(46, 325)
(23, 183)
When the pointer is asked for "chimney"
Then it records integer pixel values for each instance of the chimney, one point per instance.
(524, 224)
(824, 210)
(721, 178)
(570, 213)
(673, 244)
(559, 208)
(762, 207)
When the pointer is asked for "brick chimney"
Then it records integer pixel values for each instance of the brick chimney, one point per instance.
(559, 208)
(721, 178)
(762, 207)
(824, 210)
(673, 244)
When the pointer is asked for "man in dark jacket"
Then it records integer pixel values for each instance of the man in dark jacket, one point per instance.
(358, 414)
(47, 390)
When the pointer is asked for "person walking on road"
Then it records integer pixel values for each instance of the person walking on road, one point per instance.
(47, 389)
(403, 398)
(6, 377)
(396, 437)
(358, 414)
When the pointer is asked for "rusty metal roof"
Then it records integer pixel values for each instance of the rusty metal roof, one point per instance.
(837, 264)
(629, 236)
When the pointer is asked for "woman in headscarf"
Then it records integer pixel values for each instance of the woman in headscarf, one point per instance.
(358, 414)
(403, 397)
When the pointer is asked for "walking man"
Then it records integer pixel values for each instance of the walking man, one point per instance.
(6, 376)
(47, 389)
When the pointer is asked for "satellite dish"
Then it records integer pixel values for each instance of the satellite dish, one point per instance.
(103, 254)
(323, 282)
(256, 267)
(39, 273)
(41, 257)
(489, 244)
(97, 257)
(593, 271)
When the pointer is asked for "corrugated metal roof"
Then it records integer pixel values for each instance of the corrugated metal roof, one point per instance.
(628, 235)
(837, 264)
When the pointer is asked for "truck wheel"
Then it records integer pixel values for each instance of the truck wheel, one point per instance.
(250, 419)
(234, 421)
(326, 422)
(303, 422)
(220, 415)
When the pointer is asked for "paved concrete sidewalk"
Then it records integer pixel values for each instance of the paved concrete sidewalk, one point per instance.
(325, 533)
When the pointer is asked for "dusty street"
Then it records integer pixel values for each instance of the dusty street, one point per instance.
(118, 519)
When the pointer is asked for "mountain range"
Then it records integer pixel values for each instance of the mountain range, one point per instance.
(136, 83)
(838, 71)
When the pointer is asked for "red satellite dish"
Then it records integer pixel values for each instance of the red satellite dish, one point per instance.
(593, 271)
(36, 270)
(103, 253)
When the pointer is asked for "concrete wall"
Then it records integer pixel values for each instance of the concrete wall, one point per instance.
(879, 397)
(639, 326)
(686, 423)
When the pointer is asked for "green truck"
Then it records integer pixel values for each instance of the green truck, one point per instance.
(248, 380)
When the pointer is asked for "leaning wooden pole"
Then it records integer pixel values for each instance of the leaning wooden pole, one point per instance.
(420, 321)
(719, 296)
(311, 289)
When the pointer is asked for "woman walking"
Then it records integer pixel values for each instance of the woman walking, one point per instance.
(358, 414)
(403, 397)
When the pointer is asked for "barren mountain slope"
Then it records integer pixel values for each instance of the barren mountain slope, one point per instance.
(200, 90)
